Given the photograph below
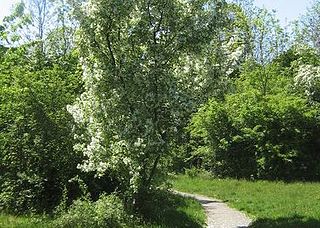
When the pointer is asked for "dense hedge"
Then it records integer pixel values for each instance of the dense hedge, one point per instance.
(36, 142)
(256, 135)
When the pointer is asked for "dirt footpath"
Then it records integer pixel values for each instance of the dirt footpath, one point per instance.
(219, 215)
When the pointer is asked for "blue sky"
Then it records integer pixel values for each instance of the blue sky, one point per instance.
(5, 6)
(287, 10)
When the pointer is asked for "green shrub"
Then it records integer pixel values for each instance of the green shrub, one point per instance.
(36, 141)
(196, 172)
(255, 136)
(266, 129)
(107, 211)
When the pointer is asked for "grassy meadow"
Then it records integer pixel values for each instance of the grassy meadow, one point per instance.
(270, 204)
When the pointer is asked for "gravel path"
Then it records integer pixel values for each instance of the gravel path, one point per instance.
(219, 215)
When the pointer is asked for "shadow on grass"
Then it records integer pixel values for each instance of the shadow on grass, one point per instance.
(167, 210)
(291, 222)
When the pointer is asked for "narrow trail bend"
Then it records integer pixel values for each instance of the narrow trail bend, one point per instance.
(219, 215)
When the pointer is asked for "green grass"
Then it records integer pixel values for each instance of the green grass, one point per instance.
(270, 204)
(165, 210)
(173, 211)
(9, 221)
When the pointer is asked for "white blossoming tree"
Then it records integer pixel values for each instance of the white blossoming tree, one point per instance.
(307, 72)
(130, 107)
(308, 77)
(220, 58)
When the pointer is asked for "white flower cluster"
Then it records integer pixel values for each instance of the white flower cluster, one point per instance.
(103, 153)
(307, 78)
(233, 54)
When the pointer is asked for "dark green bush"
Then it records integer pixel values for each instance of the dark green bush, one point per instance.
(250, 135)
(36, 141)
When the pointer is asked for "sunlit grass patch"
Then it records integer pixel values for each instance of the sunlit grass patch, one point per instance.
(10, 221)
(270, 204)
